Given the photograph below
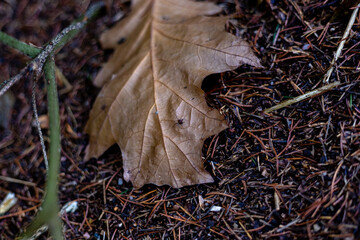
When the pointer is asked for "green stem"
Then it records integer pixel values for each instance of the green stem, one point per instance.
(51, 201)
(21, 46)
(48, 215)
(92, 13)
(50, 207)
(59, 41)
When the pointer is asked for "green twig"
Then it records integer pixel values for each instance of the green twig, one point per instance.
(341, 45)
(37, 64)
(92, 13)
(51, 198)
(48, 216)
(43, 60)
(58, 42)
(21, 46)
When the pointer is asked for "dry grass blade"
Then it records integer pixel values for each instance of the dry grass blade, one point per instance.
(303, 97)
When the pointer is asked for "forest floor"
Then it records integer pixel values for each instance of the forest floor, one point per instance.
(291, 174)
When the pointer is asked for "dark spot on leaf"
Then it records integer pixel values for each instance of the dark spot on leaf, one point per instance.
(180, 121)
(103, 107)
(165, 18)
(121, 40)
(185, 87)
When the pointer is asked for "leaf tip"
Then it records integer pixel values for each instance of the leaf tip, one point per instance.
(88, 153)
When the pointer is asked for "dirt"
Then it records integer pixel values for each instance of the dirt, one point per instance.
(290, 174)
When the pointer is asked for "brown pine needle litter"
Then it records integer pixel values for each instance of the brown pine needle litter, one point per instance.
(289, 172)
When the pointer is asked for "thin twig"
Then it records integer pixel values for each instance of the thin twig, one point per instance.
(341, 45)
(37, 123)
(37, 64)
(303, 97)
(58, 42)
(48, 216)
(5, 85)
(14, 180)
(328, 73)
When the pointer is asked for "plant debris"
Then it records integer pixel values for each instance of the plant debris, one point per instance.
(292, 173)
(151, 103)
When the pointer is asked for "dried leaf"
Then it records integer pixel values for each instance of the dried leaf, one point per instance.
(151, 103)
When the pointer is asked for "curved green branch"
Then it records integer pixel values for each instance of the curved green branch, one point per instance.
(43, 60)
(92, 13)
(21, 46)
(48, 216)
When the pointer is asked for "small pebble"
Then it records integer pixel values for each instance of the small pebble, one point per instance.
(120, 181)
(306, 47)
(69, 207)
(8, 202)
(97, 236)
(215, 209)
(86, 235)
(316, 227)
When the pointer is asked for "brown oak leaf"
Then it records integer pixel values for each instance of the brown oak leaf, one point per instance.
(151, 103)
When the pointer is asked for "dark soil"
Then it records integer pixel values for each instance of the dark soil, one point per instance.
(291, 174)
